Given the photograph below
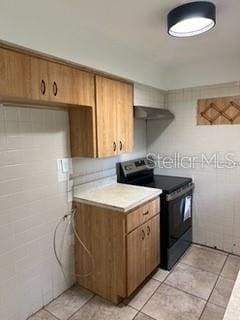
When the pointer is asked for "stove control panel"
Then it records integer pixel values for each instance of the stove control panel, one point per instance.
(134, 166)
(140, 163)
(128, 167)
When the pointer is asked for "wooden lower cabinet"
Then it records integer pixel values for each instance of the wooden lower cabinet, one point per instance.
(152, 244)
(136, 262)
(143, 252)
(122, 261)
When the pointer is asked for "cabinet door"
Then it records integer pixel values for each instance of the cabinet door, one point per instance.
(40, 87)
(71, 86)
(152, 247)
(83, 88)
(136, 269)
(15, 75)
(106, 114)
(60, 83)
(125, 117)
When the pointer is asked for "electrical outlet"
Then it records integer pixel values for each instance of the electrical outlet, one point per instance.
(64, 169)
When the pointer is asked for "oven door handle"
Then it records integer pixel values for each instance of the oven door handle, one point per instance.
(180, 193)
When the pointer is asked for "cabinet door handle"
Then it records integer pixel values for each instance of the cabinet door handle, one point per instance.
(121, 145)
(43, 87)
(143, 234)
(114, 146)
(148, 230)
(55, 88)
(145, 213)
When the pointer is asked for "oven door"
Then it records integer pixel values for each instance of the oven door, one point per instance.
(179, 206)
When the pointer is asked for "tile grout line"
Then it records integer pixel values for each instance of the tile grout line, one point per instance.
(199, 268)
(139, 311)
(73, 314)
(181, 290)
(214, 287)
(216, 250)
(205, 300)
(51, 314)
(160, 283)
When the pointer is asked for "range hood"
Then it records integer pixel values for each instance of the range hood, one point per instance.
(148, 113)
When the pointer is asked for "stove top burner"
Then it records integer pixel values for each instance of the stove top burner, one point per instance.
(167, 183)
(139, 172)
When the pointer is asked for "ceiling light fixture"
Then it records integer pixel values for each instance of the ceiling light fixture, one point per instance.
(191, 19)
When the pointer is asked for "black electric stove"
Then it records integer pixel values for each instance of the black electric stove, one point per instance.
(176, 206)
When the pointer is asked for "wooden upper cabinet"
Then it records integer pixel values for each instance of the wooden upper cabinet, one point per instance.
(83, 88)
(104, 129)
(15, 75)
(125, 117)
(106, 117)
(60, 83)
(114, 117)
(40, 87)
(26, 78)
(70, 86)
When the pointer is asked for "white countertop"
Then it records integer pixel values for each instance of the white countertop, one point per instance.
(233, 308)
(117, 196)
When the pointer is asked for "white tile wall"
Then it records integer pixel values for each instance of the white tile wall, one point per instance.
(216, 199)
(149, 96)
(31, 203)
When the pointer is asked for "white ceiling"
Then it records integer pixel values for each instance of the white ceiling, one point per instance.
(126, 37)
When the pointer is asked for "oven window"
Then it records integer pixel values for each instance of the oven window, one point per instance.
(180, 217)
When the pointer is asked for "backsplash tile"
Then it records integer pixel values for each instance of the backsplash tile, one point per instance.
(32, 202)
(148, 96)
(216, 214)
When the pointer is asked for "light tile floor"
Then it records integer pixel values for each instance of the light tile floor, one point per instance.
(198, 288)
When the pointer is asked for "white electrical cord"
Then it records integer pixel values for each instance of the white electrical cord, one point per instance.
(72, 222)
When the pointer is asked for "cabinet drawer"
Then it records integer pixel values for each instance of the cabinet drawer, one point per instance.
(142, 214)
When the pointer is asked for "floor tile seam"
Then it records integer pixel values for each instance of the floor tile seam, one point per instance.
(202, 246)
(148, 316)
(160, 283)
(136, 315)
(85, 303)
(181, 290)
(200, 269)
(51, 314)
(208, 300)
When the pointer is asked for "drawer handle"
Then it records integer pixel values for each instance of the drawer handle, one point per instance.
(121, 146)
(148, 230)
(55, 89)
(143, 234)
(43, 87)
(114, 146)
(145, 213)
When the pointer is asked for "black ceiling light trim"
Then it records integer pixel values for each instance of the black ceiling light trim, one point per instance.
(192, 19)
